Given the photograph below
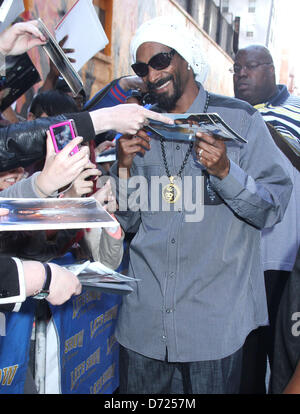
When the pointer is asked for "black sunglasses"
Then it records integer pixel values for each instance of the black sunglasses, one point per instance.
(158, 62)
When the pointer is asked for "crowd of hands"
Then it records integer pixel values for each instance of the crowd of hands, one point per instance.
(71, 175)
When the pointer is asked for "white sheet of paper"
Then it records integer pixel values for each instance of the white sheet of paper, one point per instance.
(84, 30)
(9, 11)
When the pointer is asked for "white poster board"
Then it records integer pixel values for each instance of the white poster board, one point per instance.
(84, 30)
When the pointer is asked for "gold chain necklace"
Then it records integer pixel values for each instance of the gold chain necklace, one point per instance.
(171, 191)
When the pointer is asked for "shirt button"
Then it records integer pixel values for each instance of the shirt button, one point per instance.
(178, 147)
(173, 241)
(164, 337)
(172, 274)
(169, 310)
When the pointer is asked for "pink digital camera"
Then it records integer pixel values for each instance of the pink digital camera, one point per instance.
(62, 134)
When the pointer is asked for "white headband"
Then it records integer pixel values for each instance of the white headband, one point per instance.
(171, 33)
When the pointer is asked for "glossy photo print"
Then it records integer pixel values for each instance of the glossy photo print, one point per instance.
(43, 214)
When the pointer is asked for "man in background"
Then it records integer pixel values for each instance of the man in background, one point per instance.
(255, 82)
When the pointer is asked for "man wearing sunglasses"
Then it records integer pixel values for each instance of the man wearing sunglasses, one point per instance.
(254, 82)
(201, 285)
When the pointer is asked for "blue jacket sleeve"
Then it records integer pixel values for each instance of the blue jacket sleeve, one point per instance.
(111, 95)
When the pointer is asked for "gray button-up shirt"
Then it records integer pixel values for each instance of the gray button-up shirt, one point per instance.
(202, 288)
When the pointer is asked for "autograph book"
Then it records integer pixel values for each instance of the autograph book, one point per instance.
(187, 125)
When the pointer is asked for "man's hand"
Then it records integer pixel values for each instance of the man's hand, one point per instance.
(211, 153)
(128, 147)
(54, 72)
(21, 37)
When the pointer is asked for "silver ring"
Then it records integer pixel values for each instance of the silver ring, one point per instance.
(200, 153)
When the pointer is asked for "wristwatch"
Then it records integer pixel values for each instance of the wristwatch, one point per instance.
(44, 292)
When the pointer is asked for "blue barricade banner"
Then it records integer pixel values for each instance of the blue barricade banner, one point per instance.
(14, 348)
(88, 351)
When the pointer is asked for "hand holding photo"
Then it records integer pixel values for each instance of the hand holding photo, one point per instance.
(187, 125)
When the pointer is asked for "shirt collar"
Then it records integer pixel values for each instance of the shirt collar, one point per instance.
(280, 97)
(200, 100)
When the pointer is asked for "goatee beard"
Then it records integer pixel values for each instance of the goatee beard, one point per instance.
(165, 101)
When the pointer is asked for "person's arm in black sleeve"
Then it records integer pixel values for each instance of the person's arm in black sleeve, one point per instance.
(24, 143)
(12, 284)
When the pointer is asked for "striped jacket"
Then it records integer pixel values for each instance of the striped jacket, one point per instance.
(283, 113)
